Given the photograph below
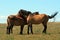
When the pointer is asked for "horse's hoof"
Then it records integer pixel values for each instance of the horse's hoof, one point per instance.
(21, 33)
(7, 33)
(44, 32)
(12, 32)
(32, 32)
(28, 33)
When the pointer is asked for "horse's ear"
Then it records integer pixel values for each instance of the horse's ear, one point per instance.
(37, 12)
(29, 12)
(21, 10)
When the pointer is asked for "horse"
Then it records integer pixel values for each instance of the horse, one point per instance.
(17, 20)
(38, 19)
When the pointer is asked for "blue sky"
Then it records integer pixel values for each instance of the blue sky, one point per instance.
(9, 7)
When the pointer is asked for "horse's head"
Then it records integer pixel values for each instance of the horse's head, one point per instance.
(24, 13)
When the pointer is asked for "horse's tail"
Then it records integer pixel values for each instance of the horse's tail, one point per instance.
(52, 16)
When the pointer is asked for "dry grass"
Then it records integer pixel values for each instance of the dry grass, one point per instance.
(53, 33)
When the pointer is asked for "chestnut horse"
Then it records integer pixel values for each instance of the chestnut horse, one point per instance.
(37, 19)
(17, 20)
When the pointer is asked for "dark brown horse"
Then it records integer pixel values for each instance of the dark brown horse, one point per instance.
(37, 19)
(17, 20)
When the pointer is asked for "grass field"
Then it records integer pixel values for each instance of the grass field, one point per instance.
(53, 32)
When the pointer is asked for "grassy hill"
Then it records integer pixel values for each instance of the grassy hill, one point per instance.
(53, 32)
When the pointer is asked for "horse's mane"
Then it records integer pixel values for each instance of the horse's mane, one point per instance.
(36, 13)
(24, 12)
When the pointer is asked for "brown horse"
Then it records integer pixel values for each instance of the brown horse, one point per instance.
(37, 19)
(17, 20)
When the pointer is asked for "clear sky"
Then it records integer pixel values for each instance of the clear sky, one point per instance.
(9, 7)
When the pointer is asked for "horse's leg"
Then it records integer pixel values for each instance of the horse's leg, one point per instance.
(8, 29)
(11, 29)
(31, 28)
(22, 26)
(45, 28)
(28, 29)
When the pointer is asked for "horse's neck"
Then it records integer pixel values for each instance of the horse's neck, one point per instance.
(31, 14)
(18, 16)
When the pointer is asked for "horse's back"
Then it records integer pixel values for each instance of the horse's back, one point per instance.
(36, 19)
(14, 19)
(40, 16)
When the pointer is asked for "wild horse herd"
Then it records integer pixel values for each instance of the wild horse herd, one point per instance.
(25, 17)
